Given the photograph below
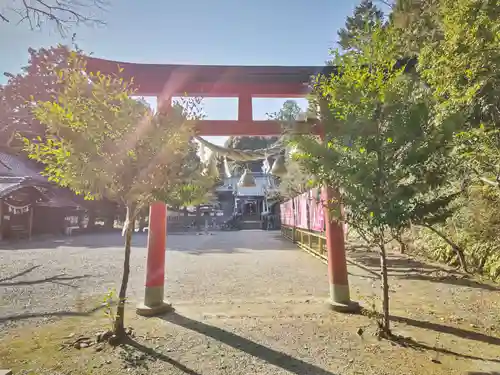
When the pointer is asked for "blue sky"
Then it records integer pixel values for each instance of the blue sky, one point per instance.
(225, 32)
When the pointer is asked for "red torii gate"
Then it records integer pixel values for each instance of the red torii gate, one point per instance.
(244, 83)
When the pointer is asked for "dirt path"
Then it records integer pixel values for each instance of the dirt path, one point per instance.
(247, 303)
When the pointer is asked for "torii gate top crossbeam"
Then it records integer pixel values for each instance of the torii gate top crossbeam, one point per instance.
(213, 80)
(243, 82)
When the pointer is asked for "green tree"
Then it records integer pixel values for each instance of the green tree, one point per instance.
(384, 149)
(37, 81)
(288, 112)
(191, 188)
(358, 27)
(415, 23)
(456, 44)
(100, 142)
(458, 57)
(463, 70)
(196, 190)
(297, 180)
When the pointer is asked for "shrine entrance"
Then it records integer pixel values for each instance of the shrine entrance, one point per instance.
(244, 83)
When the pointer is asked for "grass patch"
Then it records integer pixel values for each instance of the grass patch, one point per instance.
(44, 350)
(48, 348)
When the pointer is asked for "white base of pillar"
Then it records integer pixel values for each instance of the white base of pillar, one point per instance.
(153, 302)
(340, 299)
(163, 308)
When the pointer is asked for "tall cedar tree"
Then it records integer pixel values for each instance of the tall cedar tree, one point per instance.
(358, 27)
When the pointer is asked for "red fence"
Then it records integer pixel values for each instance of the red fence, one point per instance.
(305, 211)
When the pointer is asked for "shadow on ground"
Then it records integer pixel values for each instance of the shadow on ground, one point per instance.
(57, 279)
(459, 332)
(159, 356)
(408, 342)
(412, 269)
(19, 274)
(53, 314)
(274, 357)
(198, 244)
(85, 240)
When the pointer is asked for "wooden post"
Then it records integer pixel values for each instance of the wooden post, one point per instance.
(1, 219)
(245, 109)
(294, 239)
(163, 104)
(30, 229)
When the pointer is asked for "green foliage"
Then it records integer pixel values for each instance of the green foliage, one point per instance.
(458, 57)
(474, 227)
(384, 148)
(479, 151)
(37, 81)
(198, 190)
(100, 142)
(414, 23)
(462, 67)
(288, 112)
(249, 143)
(358, 27)
(108, 301)
(298, 179)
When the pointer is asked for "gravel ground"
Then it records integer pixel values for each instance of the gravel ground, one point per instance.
(250, 303)
(55, 274)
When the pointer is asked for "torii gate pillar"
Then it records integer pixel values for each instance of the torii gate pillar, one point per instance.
(154, 303)
(338, 279)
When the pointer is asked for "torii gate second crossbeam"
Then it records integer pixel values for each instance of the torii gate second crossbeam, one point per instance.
(244, 83)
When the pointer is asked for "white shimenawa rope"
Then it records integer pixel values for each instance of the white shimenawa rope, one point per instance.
(214, 151)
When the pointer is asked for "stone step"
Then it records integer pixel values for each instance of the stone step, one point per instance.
(254, 224)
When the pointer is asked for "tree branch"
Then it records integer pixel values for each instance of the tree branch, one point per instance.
(62, 13)
(489, 182)
(388, 3)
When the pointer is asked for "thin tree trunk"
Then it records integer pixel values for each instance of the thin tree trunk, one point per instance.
(402, 247)
(385, 326)
(91, 223)
(119, 325)
(399, 239)
(454, 246)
